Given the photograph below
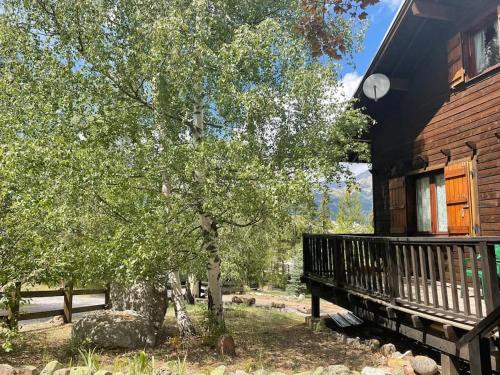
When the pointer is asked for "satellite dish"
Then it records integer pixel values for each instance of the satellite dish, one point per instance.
(376, 86)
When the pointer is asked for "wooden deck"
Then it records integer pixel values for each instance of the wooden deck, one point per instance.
(434, 290)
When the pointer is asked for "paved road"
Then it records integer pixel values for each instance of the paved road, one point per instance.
(56, 303)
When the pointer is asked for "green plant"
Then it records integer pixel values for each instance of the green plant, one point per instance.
(90, 359)
(8, 337)
(140, 364)
(178, 366)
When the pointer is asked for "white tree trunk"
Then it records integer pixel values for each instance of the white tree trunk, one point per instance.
(210, 238)
(184, 323)
(194, 286)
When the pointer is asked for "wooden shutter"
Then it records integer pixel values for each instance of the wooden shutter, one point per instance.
(456, 71)
(397, 205)
(458, 202)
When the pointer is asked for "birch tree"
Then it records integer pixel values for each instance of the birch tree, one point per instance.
(243, 110)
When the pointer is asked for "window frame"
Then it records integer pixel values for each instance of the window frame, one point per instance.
(433, 203)
(468, 47)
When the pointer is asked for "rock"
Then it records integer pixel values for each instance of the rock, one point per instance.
(260, 372)
(301, 297)
(240, 372)
(277, 305)
(373, 344)
(62, 371)
(398, 362)
(321, 326)
(57, 320)
(226, 345)
(28, 370)
(221, 370)
(304, 310)
(148, 298)
(7, 370)
(237, 300)
(160, 371)
(372, 371)
(80, 371)
(114, 329)
(248, 301)
(303, 373)
(387, 349)
(51, 367)
(106, 372)
(338, 370)
(423, 365)
(277, 373)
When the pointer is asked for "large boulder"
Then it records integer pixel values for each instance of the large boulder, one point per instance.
(115, 329)
(423, 365)
(7, 370)
(148, 298)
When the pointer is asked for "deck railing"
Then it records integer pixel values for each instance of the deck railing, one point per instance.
(455, 278)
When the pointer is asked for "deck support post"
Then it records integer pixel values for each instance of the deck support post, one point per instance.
(449, 365)
(479, 356)
(315, 313)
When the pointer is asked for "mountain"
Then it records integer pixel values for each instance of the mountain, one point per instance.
(336, 190)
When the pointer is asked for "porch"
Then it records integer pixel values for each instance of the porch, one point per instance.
(431, 289)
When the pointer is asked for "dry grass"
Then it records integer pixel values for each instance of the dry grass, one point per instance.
(265, 339)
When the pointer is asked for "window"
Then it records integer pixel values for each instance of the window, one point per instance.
(431, 204)
(484, 46)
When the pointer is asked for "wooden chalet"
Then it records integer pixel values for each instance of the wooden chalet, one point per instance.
(431, 270)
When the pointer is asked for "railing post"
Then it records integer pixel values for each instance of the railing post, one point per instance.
(338, 260)
(393, 271)
(68, 301)
(13, 305)
(305, 254)
(490, 277)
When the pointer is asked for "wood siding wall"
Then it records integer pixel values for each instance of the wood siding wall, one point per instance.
(431, 117)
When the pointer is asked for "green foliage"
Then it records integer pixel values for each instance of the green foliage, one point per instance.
(90, 359)
(350, 218)
(140, 364)
(295, 286)
(99, 179)
(178, 366)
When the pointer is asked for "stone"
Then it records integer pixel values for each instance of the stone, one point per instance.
(62, 371)
(301, 297)
(160, 371)
(7, 370)
(80, 371)
(248, 301)
(303, 373)
(147, 298)
(373, 371)
(114, 329)
(28, 370)
(304, 310)
(236, 300)
(398, 362)
(240, 372)
(226, 345)
(373, 344)
(260, 372)
(221, 370)
(51, 367)
(105, 372)
(277, 373)
(387, 349)
(423, 365)
(338, 370)
(277, 305)
(57, 320)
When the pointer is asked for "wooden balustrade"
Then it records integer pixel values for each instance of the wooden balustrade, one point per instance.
(455, 278)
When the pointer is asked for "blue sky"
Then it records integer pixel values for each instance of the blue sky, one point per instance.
(379, 17)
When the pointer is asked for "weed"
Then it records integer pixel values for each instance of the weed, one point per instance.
(141, 364)
(90, 359)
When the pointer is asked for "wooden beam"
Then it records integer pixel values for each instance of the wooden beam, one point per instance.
(417, 322)
(431, 10)
(315, 309)
(449, 364)
(450, 332)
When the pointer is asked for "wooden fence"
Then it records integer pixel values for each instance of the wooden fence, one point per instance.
(14, 313)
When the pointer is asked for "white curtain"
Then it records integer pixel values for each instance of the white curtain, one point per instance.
(423, 205)
(480, 51)
(442, 215)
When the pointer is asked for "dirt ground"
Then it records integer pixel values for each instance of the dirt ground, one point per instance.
(265, 338)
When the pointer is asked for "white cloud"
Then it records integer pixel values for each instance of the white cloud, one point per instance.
(393, 4)
(350, 83)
